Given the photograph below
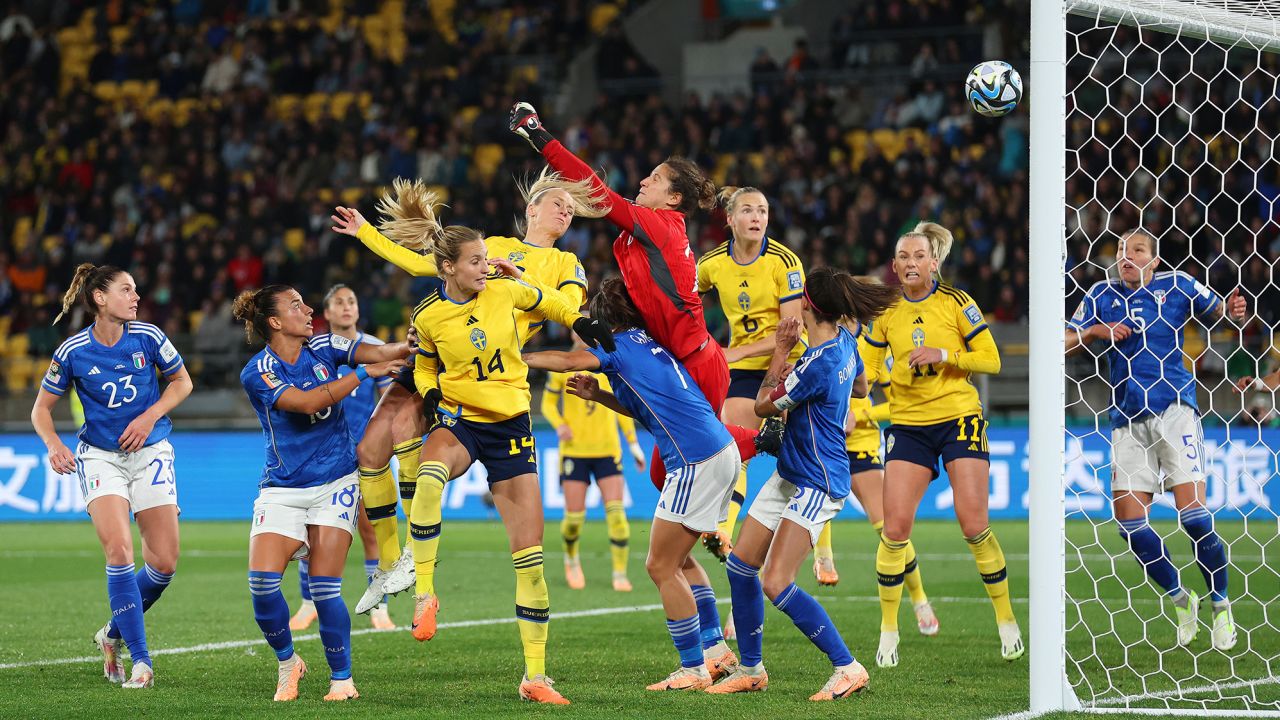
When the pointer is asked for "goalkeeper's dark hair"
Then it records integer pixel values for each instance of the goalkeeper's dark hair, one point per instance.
(836, 296)
(255, 307)
(696, 190)
(612, 306)
(1155, 243)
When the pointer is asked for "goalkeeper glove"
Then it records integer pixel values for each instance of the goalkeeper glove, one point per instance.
(525, 123)
(594, 334)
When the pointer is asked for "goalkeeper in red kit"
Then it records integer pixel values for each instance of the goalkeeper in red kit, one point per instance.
(657, 265)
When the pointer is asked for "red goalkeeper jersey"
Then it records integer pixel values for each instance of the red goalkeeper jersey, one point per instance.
(653, 253)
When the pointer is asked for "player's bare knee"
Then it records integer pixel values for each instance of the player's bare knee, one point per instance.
(973, 527)
(773, 583)
(660, 568)
(118, 552)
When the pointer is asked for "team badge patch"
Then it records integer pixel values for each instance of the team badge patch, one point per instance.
(744, 301)
(568, 467)
(1159, 297)
(139, 361)
(793, 280)
(271, 380)
(322, 372)
(917, 337)
(478, 339)
(888, 443)
(972, 314)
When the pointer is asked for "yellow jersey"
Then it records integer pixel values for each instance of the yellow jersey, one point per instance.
(865, 437)
(471, 349)
(594, 427)
(544, 266)
(752, 294)
(947, 319)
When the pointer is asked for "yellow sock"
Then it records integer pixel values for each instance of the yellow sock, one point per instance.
(735, 503)
(424, 523)
(570, 530)
(891, 560)
(990, 558)
(615, 517)
(409, 453)
(533, 609)
(823, 548)
(911, 577)
(379, 495)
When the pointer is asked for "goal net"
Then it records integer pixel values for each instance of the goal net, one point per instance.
(1168, 120)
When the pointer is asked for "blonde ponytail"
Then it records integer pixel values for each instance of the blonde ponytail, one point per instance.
(939, 238)
(409, 219)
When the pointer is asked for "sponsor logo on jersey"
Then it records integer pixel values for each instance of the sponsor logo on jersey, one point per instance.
(971, 313)
(918, 321)
(744, 301)
(1115, 302)
(917, 337)
(478, 339)
(793, 280)
(322, 372)
(120, 366)
(139, 360)
(271, 380)
(744, 284)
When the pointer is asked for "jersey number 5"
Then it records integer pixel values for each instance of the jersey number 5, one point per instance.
(494, 366)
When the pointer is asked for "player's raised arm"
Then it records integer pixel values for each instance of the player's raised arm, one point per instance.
(560, 361)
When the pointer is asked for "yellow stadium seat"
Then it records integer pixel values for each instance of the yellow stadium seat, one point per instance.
(107, 91)
(602, 15)
(338, 104)
(313, 106)
(364, 99)
(467, 115)
(294, 239)
(194, 319)
(325, 195)
(286, 105)
(352, 196)
(18, 345)
(119, 35)
(21, 232)
(21, 371)
(487, 158)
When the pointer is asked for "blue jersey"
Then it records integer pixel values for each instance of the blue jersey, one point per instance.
(358, 406)
(302, 450)
(1146, 370)
(657, 391)
(115, 384)
(817, 397)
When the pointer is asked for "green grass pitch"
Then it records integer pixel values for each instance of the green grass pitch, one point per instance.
(604, 647)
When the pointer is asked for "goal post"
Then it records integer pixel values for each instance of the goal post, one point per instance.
(1133, 104)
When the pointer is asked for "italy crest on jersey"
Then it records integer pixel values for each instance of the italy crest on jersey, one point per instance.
(139, 361)
(322, 372)
(478, 339)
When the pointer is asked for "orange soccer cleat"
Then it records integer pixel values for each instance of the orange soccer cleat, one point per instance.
(684, 679)
(718, 544)
(621, 583)
(824, 569)
(289, 674)
(539, 690)
(741, 681)
(844, 682)
(306, 615)
(722, 665)
(340, 690)
(425, 608)
(573, 574)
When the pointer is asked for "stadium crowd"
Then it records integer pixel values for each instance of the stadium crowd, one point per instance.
(220, 173)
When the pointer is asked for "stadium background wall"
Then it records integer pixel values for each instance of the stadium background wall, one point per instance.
(217, 471)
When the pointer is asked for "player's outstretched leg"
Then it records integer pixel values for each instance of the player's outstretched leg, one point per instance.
(424, 528)
(891, 563)
(151, 584)
(378, 493)
(1148, 547)
(811, 618)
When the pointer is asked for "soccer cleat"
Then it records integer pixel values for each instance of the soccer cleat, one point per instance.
(730, 632)
(288, 675)
(1224, 631)
(373, 594)
(381, 619)
(844, 682)
(112, 651)
(424, 616)
(402, 574)
(824, 569)
(621, 583)
(340, 690)
(769, 439)
(718, 544)
(1011, 647)
(684, 679)
(142, 677)
(306, 615)
(926, 620)
(887, 653)
(573, 574)
(1187, 627)
(539, 690)
(740, 682)
(722, 665)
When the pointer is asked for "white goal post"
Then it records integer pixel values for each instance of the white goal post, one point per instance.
(1136, 668)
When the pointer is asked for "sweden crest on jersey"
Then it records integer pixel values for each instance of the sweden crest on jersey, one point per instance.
(515, 256)
(744, 301)
(478, 339)
(917, 337)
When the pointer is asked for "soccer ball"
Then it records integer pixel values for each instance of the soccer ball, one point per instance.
(994, 88)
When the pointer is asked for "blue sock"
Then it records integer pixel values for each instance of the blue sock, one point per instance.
(708, 616)
(748, 609)
(335, 624)
(1211, 554)
(1149, 548)
(271, 612)
(813, 620)
(151, 583)
(126, 610)
(304, 578)
(371, 566)
(684, 633)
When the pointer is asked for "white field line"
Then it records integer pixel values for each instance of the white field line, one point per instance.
(1179, 695)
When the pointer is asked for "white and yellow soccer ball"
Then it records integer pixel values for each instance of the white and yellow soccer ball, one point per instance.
(994, 88)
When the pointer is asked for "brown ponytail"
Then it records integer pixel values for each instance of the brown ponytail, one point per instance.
(255, 307)
(88, 279)
(696, 190)
(835, 296)
(612, 306)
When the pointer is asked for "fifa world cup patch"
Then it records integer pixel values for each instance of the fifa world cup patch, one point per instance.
(972, 314)
(271, 380)
(168, 352)
(579, 273)
(55, 372)
(793, 280)
(1079, 313)
(338, 342)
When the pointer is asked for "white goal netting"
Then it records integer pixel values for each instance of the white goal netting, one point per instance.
(1173, 126)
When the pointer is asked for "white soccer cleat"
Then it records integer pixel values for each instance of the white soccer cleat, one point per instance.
(112, 653)
(844, 682)
(402, 574)
(1187, 626)
(288, 674)
(373, 594)
(1011, 647)
(1224, 631)
(142, 677)
(887, 653)
(341, 690)
(925, 619)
